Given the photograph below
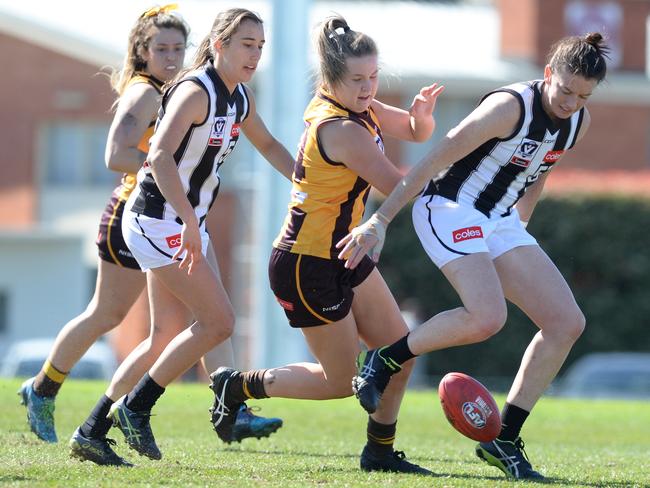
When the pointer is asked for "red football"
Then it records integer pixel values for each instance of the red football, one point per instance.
(469, 407)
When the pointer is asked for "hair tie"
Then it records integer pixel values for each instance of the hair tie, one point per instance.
(339, 31)
(159, 10)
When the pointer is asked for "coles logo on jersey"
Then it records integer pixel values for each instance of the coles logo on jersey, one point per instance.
(467, 233)
(216, 136)
(553, 156)
(234, 131)
(173, 241)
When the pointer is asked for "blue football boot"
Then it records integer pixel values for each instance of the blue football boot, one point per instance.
(247, 424)
(40, 411)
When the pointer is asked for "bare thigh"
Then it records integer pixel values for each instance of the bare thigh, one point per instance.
(376, 312)
(201, 292)
(335, 346)
(116, 290)
(531, 281)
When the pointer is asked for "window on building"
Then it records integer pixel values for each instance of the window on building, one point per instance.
(73, 154)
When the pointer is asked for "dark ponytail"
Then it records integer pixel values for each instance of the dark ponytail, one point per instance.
(581, 55)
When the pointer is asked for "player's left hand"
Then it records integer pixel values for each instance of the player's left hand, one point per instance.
(365, 238)
(425, 102)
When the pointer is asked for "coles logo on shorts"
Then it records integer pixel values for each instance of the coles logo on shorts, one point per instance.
(553, 156)
(284, 304)
(467, 233)
(173, 241)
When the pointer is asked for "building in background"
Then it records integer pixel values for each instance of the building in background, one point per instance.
(56, 112)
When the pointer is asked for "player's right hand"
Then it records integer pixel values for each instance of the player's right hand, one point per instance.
(191, 246)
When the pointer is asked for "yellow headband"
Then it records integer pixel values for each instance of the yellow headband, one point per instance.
(159, 10)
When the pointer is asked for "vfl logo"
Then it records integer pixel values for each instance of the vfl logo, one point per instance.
(553, 156)
(173, 241)
(527, 148)
(216, 137)
(467, 233)
(474, 415)
(525, 153)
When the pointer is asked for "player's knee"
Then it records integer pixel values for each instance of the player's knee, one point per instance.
(488, 322)
(105, 319)
(160, 336)
(575, 326)
(220, 327)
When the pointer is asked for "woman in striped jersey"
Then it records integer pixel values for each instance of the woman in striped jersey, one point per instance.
(156, 49)
(340, 157)
(202, 114)
(497, 157)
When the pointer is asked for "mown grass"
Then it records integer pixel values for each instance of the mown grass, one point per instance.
(573, 442)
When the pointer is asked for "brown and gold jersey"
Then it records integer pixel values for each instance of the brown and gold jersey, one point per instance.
(327, 198)
(129, 180)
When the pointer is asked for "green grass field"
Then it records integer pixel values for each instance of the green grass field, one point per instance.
(574, 443)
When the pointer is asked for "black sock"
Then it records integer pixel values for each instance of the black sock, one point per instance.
(512, 419)
(380, 437)
(398, 351)
(144, 396)
(97, 425)
(253, 384)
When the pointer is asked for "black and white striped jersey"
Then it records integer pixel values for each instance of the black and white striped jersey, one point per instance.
(202, 151)
(495, 176)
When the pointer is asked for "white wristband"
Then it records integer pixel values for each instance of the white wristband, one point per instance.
(524, 223)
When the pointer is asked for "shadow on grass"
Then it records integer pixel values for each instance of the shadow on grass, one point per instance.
(430, 459)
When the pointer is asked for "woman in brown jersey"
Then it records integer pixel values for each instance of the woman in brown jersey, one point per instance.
(483, 181)
(340, 157)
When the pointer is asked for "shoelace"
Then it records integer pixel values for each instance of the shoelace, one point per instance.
(519, 445)
(108, 441)
(249, 410)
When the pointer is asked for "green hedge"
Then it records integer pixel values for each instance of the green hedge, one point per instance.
(600, 245)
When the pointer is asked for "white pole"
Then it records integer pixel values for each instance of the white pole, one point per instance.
(282, 97)
(647, 46)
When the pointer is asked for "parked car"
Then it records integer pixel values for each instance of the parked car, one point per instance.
(608, 375)
(25, 359)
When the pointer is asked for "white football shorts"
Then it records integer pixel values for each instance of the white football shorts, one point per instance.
(449, 231)
(153, 242)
